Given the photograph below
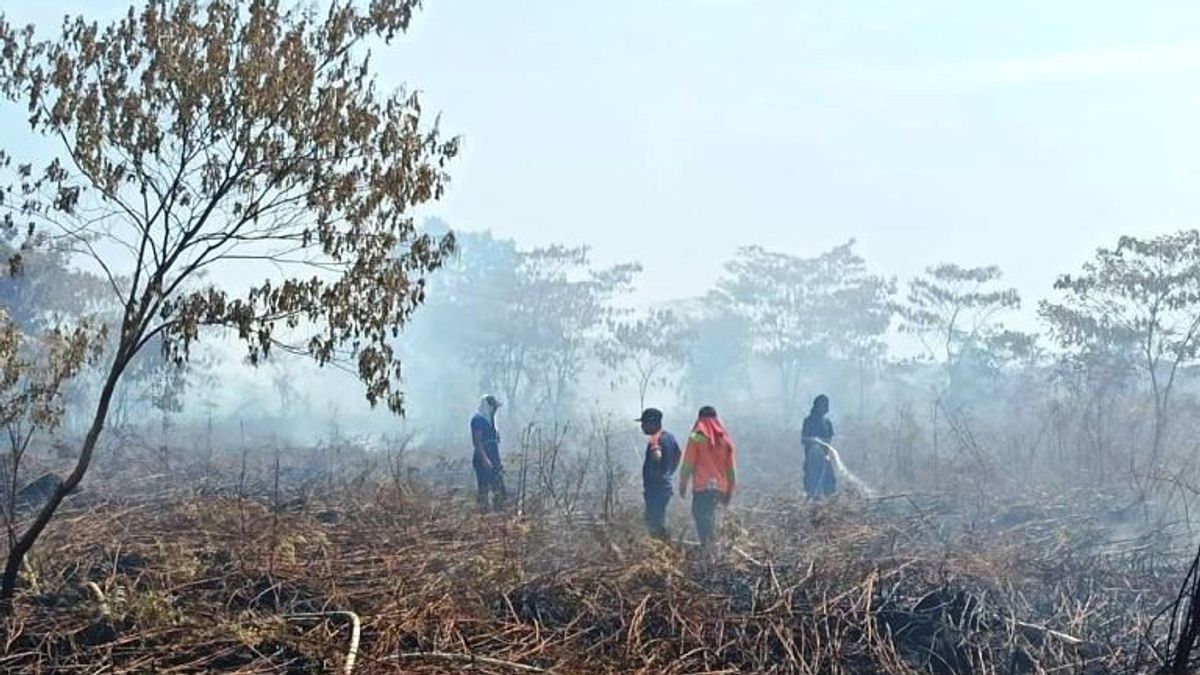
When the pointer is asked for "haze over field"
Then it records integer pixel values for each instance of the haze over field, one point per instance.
(1023, 134)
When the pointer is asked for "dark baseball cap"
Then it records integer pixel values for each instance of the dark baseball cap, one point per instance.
(650, 415)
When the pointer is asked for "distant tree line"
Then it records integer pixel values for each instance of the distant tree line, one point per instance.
(543, 326)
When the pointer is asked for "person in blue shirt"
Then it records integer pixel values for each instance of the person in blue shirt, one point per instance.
(815, 436)
(486, 458)
(658, 470)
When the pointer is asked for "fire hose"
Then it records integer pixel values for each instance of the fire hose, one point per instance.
(839, 467)
(355, 632)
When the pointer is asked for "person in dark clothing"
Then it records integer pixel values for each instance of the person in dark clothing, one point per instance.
(658, 471)
(485, 460)
(816, 434)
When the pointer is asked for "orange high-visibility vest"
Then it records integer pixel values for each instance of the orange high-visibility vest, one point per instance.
(712, 466)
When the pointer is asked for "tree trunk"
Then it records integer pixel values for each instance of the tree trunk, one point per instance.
(862, 390)
(12, 567)
(1160, 423)
(1187, 634)
(937, 469)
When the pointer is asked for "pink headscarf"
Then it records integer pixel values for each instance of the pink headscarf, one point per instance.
(712, 429)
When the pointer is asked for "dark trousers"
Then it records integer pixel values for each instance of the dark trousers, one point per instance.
(704, 511)
(656, 513)
(819, 478)
(490, 481)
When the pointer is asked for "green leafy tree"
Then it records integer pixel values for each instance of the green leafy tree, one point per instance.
(236, 139)
(43, 287)
(42, 292)
(553, 315)
(801, 311)
(1142, 299)
(519, 323)
(34, 374)
(448, 345)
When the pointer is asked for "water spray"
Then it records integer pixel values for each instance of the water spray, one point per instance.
(841, 471)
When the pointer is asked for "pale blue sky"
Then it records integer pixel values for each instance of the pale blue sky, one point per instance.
(1020, 133)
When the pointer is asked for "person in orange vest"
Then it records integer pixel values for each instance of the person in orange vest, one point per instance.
(710, 464)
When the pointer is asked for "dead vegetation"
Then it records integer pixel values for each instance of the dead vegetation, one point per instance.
(390, 580)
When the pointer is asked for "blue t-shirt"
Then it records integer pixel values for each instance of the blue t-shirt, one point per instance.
(486, 430)
(658, 473)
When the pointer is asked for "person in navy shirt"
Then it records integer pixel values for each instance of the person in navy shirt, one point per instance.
(815, 435)
(486, 458)
(658, 471)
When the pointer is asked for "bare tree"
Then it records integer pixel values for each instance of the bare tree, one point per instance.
(1095, 383)
(201, 141)
(952, 309)
(539, 323)
(649, 350)
(163, 384)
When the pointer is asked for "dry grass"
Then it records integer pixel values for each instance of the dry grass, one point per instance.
(212, 582)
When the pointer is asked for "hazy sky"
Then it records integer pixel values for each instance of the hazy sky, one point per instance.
(1022, 133)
